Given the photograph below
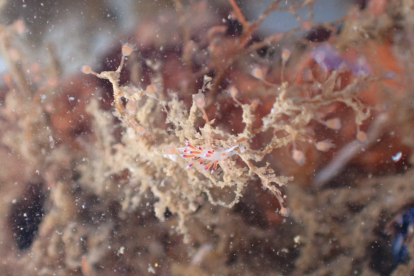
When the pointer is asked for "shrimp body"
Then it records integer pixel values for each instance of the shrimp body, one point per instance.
(207, 158)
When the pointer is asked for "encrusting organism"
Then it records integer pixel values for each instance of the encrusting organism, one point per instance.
(158, 120)
(135, 115)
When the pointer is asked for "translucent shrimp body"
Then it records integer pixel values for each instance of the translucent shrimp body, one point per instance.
(207, 158)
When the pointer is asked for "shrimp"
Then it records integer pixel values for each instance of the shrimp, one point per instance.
(207, 158)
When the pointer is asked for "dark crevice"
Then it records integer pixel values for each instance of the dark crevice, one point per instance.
(26, 215)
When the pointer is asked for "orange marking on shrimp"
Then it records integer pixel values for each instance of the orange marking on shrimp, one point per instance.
(224, 154)
(215, 167)
(188, 156)
(195, 152)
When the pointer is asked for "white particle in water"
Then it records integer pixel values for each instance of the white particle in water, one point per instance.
(397, 157)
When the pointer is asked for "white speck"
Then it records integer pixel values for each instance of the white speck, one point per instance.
(201, 254)
(71, 98)
(121, 251)
(83, 206)
(397, 157)
(296, 239)
(43, 97)
(151, 269)
(52, 142)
